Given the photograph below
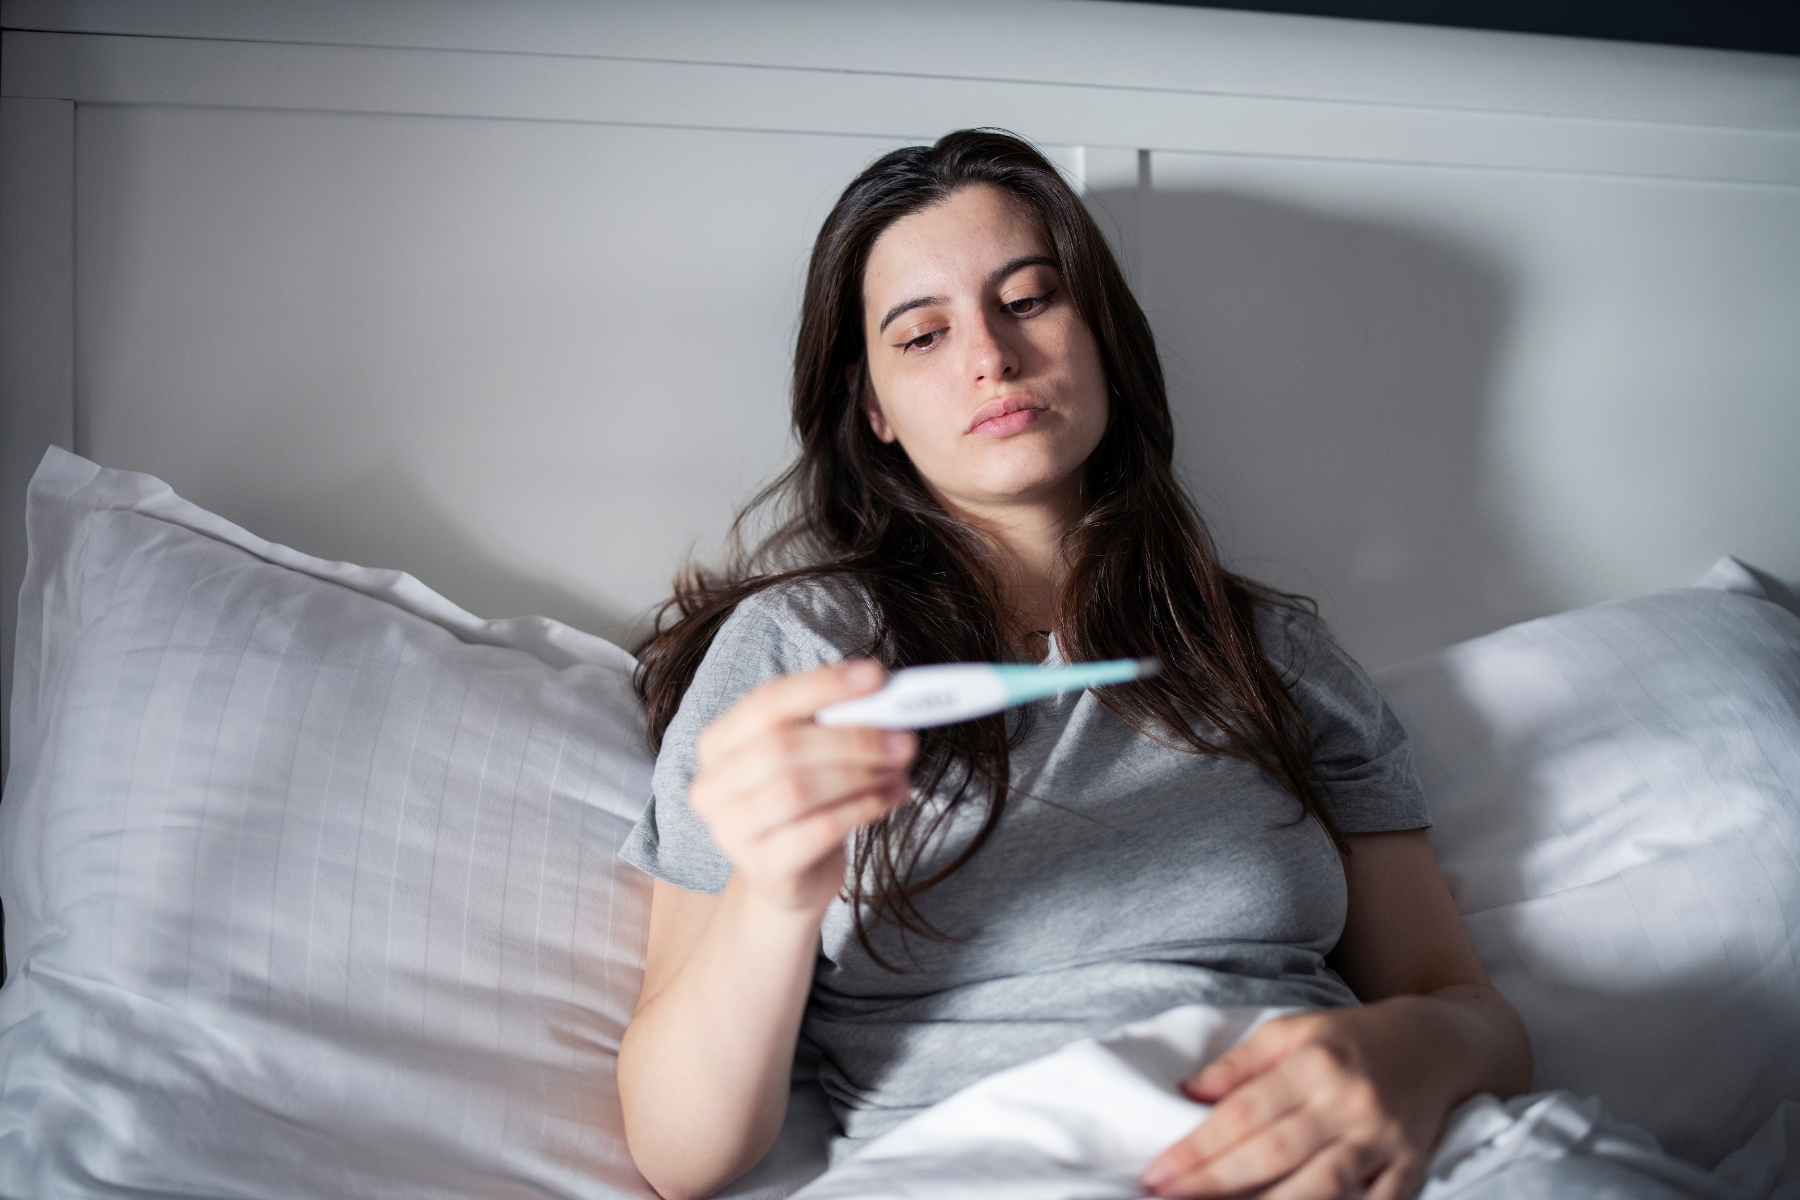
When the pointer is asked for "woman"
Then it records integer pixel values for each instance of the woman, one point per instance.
(985, 474)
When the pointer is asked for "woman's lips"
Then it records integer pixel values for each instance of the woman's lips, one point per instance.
(1008, 423)
(1008, 415)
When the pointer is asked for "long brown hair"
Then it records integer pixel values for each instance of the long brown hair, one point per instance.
(1143, 577)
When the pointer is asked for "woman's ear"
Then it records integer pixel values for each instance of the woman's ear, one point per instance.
(856, 378)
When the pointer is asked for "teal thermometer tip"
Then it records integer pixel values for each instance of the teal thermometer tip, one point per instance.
(923, 697)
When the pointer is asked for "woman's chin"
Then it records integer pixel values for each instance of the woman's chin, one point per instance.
(1050, 485)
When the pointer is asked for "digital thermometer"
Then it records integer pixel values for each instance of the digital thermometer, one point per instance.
(921, 697)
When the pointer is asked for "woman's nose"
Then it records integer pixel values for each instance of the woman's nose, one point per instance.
(992, 356)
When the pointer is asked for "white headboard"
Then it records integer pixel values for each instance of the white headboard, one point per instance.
(1461, 327)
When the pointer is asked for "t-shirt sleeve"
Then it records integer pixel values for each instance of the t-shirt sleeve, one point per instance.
(775, 632)
(1362, 753)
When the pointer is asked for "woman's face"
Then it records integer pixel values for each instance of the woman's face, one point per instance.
(982, 369)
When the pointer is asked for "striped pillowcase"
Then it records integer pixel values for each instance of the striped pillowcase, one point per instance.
(309, 876)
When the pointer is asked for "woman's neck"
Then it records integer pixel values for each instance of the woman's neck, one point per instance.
(1027, 539)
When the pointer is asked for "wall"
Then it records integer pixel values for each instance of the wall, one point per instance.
(1461, 327)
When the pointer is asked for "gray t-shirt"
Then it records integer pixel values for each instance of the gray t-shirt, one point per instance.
(1145, 879)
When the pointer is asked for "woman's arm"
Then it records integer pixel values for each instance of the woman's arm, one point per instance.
(1330, 1103)
(704, 1064)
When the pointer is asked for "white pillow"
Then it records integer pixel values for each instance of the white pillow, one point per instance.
(309, 875)
(1616, 793)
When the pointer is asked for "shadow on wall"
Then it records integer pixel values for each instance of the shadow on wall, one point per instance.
(1330, 378)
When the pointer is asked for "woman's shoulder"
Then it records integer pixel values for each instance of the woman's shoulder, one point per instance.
(1329, 685)
(1360, 750)
(1293, 635)
(790, 625)
(813, 612)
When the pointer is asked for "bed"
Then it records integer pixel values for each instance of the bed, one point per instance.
(310, 887)
(308, 871)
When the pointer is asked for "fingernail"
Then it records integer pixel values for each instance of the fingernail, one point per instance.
(862, 672)
(1155, 1176)
(898, 743)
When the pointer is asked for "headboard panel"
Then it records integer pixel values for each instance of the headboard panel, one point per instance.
(1461, 327)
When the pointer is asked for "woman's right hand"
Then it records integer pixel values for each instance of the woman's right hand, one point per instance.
(780, 794)
(706, 1062)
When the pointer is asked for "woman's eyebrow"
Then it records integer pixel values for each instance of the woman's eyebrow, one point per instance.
(1020, 263)
(903, 306)
(995, 276)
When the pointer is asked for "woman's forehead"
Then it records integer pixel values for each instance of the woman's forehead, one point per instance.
(953, 245)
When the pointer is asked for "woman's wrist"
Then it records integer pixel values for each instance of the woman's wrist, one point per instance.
(1476, 1042)
(1498, 1035)
(781, 920)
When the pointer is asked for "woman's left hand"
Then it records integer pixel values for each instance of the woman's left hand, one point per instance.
(1340, 1103)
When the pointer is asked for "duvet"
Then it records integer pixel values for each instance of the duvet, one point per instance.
(1081, 1124)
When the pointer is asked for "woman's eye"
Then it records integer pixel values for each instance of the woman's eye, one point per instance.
(1026, 305)
(924, 341)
